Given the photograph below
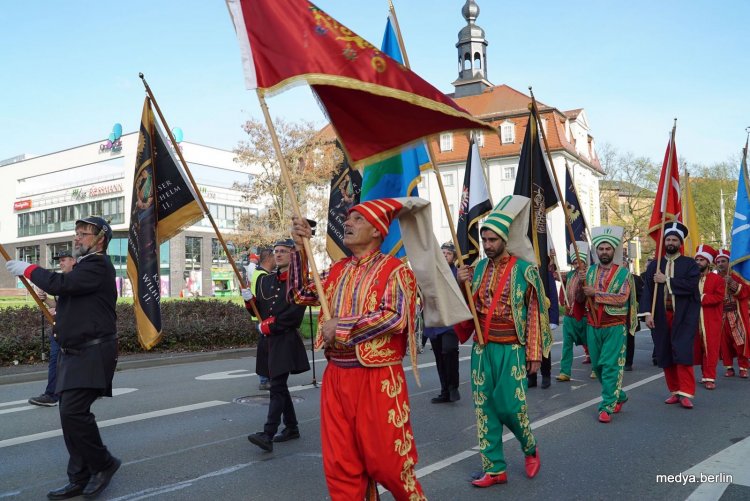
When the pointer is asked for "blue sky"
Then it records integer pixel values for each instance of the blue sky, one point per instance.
(70, 70)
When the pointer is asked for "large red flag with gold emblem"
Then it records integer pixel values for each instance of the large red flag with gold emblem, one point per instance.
(375, 104)
(667, 204)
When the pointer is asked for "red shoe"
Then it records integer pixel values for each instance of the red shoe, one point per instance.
(743, 373)
(604, 417)
(729, 373)
(489, 479)
(618, 407)
(672, 400)
(710, 385)
(533, 464)
(686, 403)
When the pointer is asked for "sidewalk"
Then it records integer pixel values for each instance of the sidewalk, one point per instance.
(38, 372)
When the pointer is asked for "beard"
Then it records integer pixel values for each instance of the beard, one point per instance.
(605, 259)
(671, 249)
(702, 268)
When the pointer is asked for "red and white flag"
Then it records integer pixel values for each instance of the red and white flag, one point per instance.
(667, 204)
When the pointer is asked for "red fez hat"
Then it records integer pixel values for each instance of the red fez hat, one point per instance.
(723, 253)
(379, 213)
(706, 251)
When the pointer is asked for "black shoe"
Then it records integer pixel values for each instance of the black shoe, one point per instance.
(70, 490)
(628, 368)
(261, 440)
(286, 434)
(99, 481)
(454, 395)
(44, 400)
(532, 381)
(546, 382)
(443, 398)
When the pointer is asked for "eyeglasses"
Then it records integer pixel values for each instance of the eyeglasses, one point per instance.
(80, 234)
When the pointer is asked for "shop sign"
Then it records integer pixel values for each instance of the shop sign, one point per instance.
(95, 191)
(22, 205)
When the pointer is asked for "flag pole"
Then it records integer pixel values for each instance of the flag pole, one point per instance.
(663, 207)
(28, 286)
(568, 226)
(325, 311)
(202, 202)
(449, 217)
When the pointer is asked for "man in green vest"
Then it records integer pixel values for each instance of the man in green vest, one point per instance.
(512, 312)
(574, 322)
(611, 309)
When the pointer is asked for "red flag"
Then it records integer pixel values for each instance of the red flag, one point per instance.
(667, 204)
(375, 104)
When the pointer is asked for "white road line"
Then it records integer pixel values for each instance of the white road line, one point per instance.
(155, 491)
(112, 422)
(15, 402)
(115, 393)
(444, 463)
(17, 409)
(731, 461)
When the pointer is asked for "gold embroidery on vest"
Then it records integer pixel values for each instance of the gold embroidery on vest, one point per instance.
(373, 350)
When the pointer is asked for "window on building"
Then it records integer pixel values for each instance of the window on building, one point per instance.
(218, 256)
(54, 250)
(509, 173)
(448, 179)
(446, 141)
(29, 253)
(63, 218)
(193, 253)
(508, 132)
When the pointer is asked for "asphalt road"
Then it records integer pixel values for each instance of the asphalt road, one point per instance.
(181, 430)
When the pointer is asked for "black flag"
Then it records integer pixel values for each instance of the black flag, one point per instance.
(475, 204)
(575, 214)
(346, 186)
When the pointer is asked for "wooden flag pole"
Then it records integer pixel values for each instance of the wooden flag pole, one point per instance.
(325, 310)
(568, 226)
(202, 202)
(665, 190)
(446, 207)
(28, 286)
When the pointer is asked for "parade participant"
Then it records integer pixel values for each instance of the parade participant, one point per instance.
(283, 353)
(87, 333)
(736, 322)
(512, 312)
(49, 397)
(574, 322)
(366, 431)
(630, 345)
(674, 279)
(445, 346)
(266, 263)
(610, 287)
(708, 336)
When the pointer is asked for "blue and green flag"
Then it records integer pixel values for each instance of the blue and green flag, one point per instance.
(399, 175)
(739, 258)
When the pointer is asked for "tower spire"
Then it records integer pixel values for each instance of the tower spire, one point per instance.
(472, 54)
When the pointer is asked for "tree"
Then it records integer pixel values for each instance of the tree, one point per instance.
(312, 159)
(627, 193)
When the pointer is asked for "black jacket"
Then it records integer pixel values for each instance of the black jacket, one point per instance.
(283, 351)
(86, 299)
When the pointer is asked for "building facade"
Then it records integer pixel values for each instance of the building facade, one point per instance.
(46, 194)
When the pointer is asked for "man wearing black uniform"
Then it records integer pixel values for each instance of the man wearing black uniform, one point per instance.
(87, 333)
(283, 353)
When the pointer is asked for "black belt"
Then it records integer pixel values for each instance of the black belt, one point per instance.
(87, 344)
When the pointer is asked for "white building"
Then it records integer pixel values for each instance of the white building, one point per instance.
(44, 196)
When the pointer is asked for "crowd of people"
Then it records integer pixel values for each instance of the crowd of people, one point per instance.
(696, 315)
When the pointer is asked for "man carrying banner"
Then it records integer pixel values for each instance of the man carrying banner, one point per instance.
(283, 351)
(444, 344)
(708, 337)
(735, 320)
(511, 306)
(266, 263)
(366, 432)
(609, 284)
(87, 330)
(574, 322)
(674, 280)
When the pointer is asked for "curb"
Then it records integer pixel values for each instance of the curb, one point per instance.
(129, 362)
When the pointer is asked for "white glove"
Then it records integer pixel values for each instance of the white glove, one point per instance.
(16, 268)
(247, 294)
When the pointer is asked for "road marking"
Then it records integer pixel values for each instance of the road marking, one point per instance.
(113, 422)
(156, 491)
(730, 461)
(444, 463)
(115, 393)
(224, 375)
